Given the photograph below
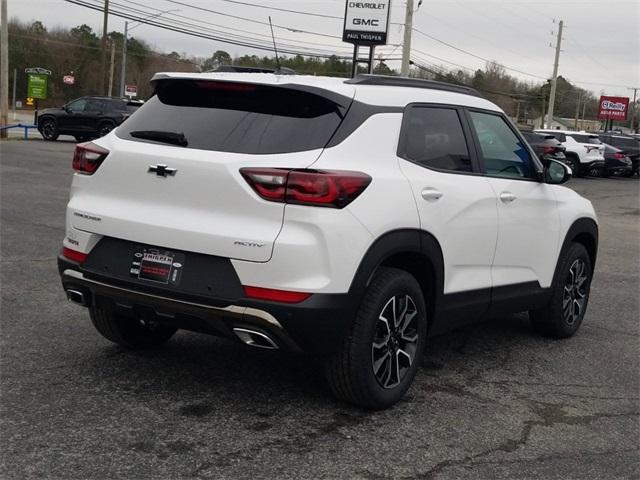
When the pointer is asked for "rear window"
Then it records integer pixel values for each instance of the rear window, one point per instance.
(625, 142)
(586, 139)
(238, 117)
(534, 137)
(561, 137)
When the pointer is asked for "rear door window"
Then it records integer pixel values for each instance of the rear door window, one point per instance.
(433, 137)
(239, 117)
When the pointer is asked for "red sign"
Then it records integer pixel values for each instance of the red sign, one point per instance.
(69, 79)
(131, 90)
(613, 108)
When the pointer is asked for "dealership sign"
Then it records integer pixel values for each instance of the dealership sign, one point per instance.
(613, 108)
(366, 23)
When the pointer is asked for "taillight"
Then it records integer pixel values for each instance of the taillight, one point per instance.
(549, 149)
(87, 157)
(619, 155)
(329, 188)
(74, 255)
(283, 296)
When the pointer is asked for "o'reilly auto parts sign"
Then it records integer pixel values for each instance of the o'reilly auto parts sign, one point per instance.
(613, 108)
(366, 23)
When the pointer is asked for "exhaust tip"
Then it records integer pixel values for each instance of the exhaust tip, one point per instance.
(77, 297)
(256, 339)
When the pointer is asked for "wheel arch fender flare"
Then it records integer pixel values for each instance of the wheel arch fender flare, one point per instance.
(585, 231)
(46, 116)
(408, 243)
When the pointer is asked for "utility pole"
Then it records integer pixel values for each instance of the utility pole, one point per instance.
(518, 102)
(577, 110)
(584, 107)
(123, 67)
(635, 108)
(4, 68)
(113, 57)
(554, 79)
(406, 43)
(103, 46)
(15, 77)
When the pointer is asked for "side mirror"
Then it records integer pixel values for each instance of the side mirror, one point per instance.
(556, 172)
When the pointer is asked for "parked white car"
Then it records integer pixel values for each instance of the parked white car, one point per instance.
(584, 151)
(347, 218)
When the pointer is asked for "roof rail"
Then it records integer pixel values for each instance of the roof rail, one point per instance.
(386, 80)
(241, 69)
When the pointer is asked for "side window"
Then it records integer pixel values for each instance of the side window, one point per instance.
(434, 138)
(77, 106)
(94, 106)
(504, 154)
(114, 106)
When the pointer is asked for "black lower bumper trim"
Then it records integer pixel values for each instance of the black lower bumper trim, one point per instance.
(314, 326)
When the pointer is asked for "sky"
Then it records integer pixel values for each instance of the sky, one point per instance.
(600, 47)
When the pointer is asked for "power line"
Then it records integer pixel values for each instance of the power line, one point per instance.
(282, 9)
(166, 26)
(477, 56)
(232, 28)
(176, 2)
(219, 32)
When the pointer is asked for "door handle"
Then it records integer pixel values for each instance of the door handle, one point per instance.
(507, 197)
(431, 194)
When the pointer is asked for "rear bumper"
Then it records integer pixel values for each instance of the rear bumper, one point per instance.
(315, 325)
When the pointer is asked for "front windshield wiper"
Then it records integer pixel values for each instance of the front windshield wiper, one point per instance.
(172, 138)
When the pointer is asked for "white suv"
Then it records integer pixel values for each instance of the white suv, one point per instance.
(584, 151)
(348, 218)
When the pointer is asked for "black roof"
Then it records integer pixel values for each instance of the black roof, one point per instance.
(390, 81)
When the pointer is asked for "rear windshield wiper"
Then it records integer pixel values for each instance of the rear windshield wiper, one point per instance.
(172, 138)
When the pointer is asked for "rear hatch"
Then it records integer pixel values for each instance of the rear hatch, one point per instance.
(172, 176)
(594, 147)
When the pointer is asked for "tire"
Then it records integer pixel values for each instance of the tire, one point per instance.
(375, 364)
(81, 138)
(49, 129)
(571, 288)
(574, 163)
(104, 128)
(129, 332)
(595, 172)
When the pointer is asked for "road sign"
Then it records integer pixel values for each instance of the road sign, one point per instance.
(43, 71)
(37, 85)
(613, 108)
(69, 79)
(366, 22)
(131, 90)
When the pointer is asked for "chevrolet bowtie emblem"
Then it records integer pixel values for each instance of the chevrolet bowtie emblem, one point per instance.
(162, 170)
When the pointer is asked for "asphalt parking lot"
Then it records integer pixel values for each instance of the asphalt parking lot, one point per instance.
(491, 401)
